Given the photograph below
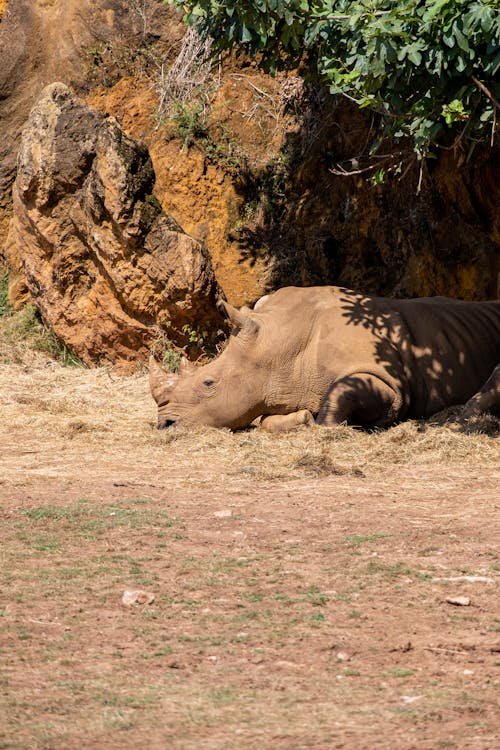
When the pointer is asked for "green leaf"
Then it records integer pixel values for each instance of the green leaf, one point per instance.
(461, 40)
(415, 56)
(433, 10)
(246, 34)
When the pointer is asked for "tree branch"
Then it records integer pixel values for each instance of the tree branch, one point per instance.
(344, 17)
(486, 91)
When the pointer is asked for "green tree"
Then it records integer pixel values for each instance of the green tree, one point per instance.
(429, 67)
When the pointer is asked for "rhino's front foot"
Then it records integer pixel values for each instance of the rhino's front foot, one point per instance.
(487, 399)
(287, 422)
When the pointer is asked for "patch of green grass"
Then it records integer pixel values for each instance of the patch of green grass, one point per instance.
(45, 543)
(241, 638)
(25, 328)
(201, 640)
(189, 122)
(66, 573)
(356, 540)
(316, 598)
(402, 672)
(49, 512)
(222, 696)
(5, 307)
(344, 596)
(249, 615)
(250, 597)
(158, 654)
(97, 520)
(23, 634)
(72, 686)
(375, 567)
(220, 568)
(224, 150)
(317, 618)
(149, 696)
(185, 603)
(284, 598)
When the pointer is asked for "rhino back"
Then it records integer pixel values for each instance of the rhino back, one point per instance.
(454, 346)
(320, 335)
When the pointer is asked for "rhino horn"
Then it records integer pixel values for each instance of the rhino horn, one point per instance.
(239, 318)
(161, 382)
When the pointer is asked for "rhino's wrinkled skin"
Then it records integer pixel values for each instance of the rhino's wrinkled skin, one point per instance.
(339, 356)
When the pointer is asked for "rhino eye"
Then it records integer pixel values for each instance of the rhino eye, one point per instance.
(208, 382)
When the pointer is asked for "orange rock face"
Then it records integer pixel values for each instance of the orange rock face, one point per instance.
(102, 261)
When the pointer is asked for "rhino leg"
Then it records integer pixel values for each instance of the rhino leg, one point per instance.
(286, 422)
(360, 398)
(487, 399)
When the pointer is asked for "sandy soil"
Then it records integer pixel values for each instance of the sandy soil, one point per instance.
(320, 590)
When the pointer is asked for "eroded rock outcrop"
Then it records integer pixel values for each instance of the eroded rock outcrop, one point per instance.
(42, 41)
(101, 260)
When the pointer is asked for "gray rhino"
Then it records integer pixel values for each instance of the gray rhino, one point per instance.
(329, 355)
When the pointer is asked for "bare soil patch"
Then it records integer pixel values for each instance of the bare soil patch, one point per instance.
(303, 584)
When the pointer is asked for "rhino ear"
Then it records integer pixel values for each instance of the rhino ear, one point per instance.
(161, 382)
(239, 318)
(185, 366)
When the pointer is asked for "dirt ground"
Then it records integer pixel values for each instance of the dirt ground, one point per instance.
(327, 589)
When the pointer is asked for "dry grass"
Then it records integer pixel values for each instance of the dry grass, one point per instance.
(190, 77)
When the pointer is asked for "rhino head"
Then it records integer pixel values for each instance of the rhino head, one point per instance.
(227, 392)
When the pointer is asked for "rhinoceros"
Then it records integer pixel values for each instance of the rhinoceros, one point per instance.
(328, 355)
